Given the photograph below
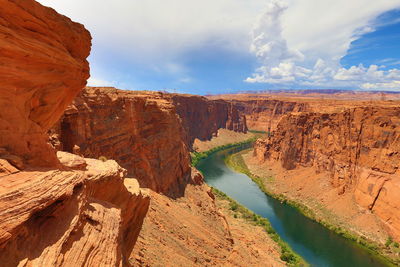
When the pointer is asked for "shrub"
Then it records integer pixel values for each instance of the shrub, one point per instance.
(255, 217)
(103, 159)
(233, 206)
(389, 241)
(287, 254)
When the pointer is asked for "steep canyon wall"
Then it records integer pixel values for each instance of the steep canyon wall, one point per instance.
(357, 148)
(264, 115)
(140, 130)
(56, 209)
(201, 118)
(148, 133)
(43, 67)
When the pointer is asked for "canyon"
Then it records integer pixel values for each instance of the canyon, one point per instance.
(348, 156)
(264, 115)
(331, 154)
(56, 209)
(264, 110)
(148, 133)
(98, 176)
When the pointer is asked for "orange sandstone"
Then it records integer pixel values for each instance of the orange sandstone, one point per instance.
(43, 67)
(356, 149)
(75, 211)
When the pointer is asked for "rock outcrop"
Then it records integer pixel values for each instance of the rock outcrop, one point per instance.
(70, 218)
(357, 148)
(201, 118)
(43, 67)
(204, 234)
(140, 130)
(147, 133)
(265, 114)
(55, 209)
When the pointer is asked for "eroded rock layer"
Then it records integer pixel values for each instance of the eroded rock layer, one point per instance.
(201, 118)
(148, 133)
(202, 235)
(140, 130)
(70, 218)
(43, 67)
(56, 209)
(357, 148)
(265, 114)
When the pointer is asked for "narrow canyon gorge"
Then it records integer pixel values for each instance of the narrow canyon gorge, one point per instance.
(334, 155)
(98, 176)
(101, 176)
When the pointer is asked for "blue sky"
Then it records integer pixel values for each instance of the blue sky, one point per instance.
(380, 47)
(223, 46)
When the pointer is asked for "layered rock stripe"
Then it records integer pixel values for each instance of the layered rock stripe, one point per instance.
(55, 210)
(148, 133)
(61, 209)
(357, 148)
(43, 67)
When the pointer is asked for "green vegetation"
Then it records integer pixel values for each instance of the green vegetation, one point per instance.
(236, 162)
(389, 241)
(287, 254)
(260, 132)
(198, 156)
(103, 159)
(257, 132)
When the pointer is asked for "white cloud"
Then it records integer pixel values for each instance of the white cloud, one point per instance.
(298, 42)
(159, 29)
(92, 81)
(394, 85)
(301, 42)
(133, 39)
(268, 43)
(394, 74)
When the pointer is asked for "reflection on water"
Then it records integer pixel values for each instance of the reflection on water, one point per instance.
(316, 244)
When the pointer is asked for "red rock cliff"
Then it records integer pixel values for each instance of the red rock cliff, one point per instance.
(76, 211)
(43, 67)
(148, 133)
(140, 130)
(264, 115)
(201, 118)
(357, 148)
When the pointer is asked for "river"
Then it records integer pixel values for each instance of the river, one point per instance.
(316, 244)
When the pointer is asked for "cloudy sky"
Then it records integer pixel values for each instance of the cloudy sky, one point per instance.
(216, 46)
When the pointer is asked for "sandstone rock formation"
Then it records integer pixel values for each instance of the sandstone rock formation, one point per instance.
(264, 115)
(201, 118)
(204, 234)
(43, 67)
(357, 148)
(140, 130)
(223, 137)
(70, 218)
(148, 133)
(65, 211)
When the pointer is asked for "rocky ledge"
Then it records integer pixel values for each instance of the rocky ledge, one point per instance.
(56, 209)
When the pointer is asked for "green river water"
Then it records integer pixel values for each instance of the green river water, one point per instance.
(316, 244)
